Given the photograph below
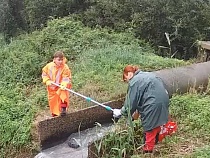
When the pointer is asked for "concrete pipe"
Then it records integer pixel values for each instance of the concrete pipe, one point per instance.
(182, 79)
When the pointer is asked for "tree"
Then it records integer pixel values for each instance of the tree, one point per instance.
(11, 20)
(39, 11)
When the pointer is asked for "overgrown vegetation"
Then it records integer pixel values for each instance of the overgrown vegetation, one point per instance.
(191, 113)
(16, 115)
(96, 57)
(185, 21)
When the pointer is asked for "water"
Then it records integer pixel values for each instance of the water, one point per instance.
(81, 138)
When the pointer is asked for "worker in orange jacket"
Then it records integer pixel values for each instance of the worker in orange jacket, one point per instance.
(58, 72)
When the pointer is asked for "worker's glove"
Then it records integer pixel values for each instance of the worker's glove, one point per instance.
(117, 113)
(49, 82)
(63, 85)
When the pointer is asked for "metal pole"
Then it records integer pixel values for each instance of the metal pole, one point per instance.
(87, 98)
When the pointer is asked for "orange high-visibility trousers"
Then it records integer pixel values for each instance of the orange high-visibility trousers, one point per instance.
(55, 98)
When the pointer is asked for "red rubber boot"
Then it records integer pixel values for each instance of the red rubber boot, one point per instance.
(63, 109)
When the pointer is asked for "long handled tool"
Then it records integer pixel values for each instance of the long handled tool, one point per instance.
(87, 98)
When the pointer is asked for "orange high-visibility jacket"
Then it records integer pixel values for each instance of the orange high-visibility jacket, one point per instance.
(57, 74)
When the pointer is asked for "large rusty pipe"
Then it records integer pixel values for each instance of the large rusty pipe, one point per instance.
(182, 79)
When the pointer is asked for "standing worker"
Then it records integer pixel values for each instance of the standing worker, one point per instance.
(58, 72)
(147, 96)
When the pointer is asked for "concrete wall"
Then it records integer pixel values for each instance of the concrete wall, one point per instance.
(53, 131)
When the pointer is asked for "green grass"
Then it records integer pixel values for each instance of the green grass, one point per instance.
(190, 111)
(96, 57)
(16, 115)
(202, 152)
(102, 68)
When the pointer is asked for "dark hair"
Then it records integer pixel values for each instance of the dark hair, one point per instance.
(59, 54)
(129, 68)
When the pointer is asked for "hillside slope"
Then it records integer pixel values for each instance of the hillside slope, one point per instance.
(96, 57)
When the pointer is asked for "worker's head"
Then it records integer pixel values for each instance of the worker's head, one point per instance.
(58, 57)
(128, 72)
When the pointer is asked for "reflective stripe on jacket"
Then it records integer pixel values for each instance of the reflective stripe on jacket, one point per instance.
(57, 74)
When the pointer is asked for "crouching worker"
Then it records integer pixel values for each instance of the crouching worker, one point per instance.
(58, 72)
(147, 96)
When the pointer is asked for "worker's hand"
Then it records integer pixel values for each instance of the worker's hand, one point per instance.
(135, 115)
(63, 85)
(49, 82)
(117, 113)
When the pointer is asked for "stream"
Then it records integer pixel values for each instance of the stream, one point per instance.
(76, 145)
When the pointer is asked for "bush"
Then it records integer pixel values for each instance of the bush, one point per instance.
(24, 57)
(185, 21)
(97, 57)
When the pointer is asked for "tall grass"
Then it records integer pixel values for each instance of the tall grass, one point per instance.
(96, 57)
(191, 113)
(103, 68)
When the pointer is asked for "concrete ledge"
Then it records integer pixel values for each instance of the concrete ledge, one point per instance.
(53, 131)
(205, 44)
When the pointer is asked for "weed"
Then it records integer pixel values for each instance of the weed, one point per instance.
(96, 57)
